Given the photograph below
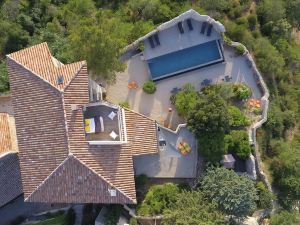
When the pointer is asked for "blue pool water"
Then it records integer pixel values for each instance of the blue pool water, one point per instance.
(184, 60)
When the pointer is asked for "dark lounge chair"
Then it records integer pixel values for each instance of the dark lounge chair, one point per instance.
(151, 42)
(203, 27)
(189, 23)
(179, 24)
(209, 29)
(156, 39)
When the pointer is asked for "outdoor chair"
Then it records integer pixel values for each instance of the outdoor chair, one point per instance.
(180, 27)
(203, 27)
(209, 29)
(113, 135)
(156, 39)
(189, 23)
(151, 42)
(112, 115)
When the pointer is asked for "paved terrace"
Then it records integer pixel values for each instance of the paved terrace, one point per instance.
(169, 162)
(156, 105)
(172, 40)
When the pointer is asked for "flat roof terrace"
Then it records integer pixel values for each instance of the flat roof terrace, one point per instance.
(103, 122)
(171, 40)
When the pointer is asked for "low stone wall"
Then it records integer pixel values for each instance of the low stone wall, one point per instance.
(252, 131)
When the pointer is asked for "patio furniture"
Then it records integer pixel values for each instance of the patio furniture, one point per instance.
(89, 126)
(151, 42)
(99, 125)
(228, 78)
(203, 27)
(175, 90)
(206, 82)
(189, 23)
(112, 115)
(180, 27)
(133, 85)
(209, 29)
(156, 39)
(113, 135)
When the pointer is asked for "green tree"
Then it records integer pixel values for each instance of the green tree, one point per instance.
(286, 172)
(4, 83)
(98, 41)
(265, 197)
(212, 146)
(285, 218)
(191, 207)
(236, 117)
(158, 198)
(293, 11)
(186, 100)
(238, 141)
(269, 61)
(270, 10)
(210, 115)
(241, 91)
(153, 10)
(235, 195)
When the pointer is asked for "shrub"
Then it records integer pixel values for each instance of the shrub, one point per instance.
(264, 196)
(237, 118)
(158, 198)
(141, 46)
(240, 49)
(238, 141)
(241, 91)
(149, 87)
(124, 104)
(70, 217)
(252, 21)
(227, 39)
(285, 218)
(186, 100)
(133, 221)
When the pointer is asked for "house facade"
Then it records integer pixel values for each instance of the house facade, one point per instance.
(71, 150)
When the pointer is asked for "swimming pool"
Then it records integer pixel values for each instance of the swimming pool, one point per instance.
(184, 60)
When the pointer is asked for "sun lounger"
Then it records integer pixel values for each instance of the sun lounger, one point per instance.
(179, 25)
(156, 39)
(203, 27)
(151, 42)
(189, 23)
(99, 124)
(209, 29)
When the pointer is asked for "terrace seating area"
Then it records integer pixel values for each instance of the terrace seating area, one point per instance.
(103, 122)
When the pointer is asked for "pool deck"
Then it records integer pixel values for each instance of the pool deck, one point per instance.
(156, 106)
(171, 40)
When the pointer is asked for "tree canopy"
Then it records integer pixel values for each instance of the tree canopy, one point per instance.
(209, 116)
(191, 207)
(235, 195)
(186, 99)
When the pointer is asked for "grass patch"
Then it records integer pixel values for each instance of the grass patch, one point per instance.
(53, 221)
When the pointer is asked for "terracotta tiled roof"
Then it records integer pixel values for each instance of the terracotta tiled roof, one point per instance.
(54, 153)
(141, 132)
(5, 139)
(83, 184)
(10, 178)
(39, 60)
